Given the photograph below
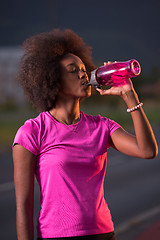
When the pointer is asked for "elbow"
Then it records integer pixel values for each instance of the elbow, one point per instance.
(154, 154)
(151, 153)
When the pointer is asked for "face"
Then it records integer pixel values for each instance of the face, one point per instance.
(74, 77)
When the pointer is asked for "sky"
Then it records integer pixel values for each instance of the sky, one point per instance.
(116, 30)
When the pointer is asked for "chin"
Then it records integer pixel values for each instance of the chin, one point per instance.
(89, 94)
(85, 96)
(85, 93)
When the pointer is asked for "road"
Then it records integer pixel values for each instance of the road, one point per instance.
(132, 187)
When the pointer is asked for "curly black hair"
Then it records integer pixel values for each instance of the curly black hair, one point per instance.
(40, 74)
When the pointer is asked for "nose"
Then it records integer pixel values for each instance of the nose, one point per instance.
(82, 74)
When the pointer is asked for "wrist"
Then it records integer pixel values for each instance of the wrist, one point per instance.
(131, 98)
(135, 107)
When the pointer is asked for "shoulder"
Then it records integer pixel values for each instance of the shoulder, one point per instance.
(108, 123)
(32, 125)
(28, 135)
(91, 117)
(97, 118)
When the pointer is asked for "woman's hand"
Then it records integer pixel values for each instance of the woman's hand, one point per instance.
(118, 90)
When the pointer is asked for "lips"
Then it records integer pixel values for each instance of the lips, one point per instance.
(85, 82)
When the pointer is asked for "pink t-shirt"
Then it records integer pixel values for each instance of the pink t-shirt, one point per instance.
(70, 170)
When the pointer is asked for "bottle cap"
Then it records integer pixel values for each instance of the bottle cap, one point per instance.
(93, 80)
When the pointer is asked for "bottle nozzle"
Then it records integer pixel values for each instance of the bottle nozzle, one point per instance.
(136, 68)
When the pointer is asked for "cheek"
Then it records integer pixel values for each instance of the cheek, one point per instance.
(66, 83)
(69, 86)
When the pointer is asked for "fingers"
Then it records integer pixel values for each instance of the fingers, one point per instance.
(109, 62)
(103, 92)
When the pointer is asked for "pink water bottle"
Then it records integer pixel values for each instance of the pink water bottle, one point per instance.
(115, 74)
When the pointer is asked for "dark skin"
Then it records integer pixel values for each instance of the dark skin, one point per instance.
(142, 145)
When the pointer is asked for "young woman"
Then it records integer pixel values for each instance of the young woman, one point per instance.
(65, 148)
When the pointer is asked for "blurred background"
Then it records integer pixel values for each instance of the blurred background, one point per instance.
(117, 31)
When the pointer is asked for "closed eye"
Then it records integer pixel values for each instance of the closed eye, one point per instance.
(72, 68)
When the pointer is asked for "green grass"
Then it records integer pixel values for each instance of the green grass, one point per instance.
(9, 124)
(120, 115)
(11, 121)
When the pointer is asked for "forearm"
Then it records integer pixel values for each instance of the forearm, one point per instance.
(24, 223)
(144, 134)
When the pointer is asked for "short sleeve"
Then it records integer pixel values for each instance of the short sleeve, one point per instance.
(27, 137)
(113, 126)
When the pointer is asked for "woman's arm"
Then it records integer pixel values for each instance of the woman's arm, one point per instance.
(24, 167)
(143, 144)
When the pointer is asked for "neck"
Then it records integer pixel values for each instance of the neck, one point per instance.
(67, 112)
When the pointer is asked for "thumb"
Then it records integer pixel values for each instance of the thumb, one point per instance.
(104, 92)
